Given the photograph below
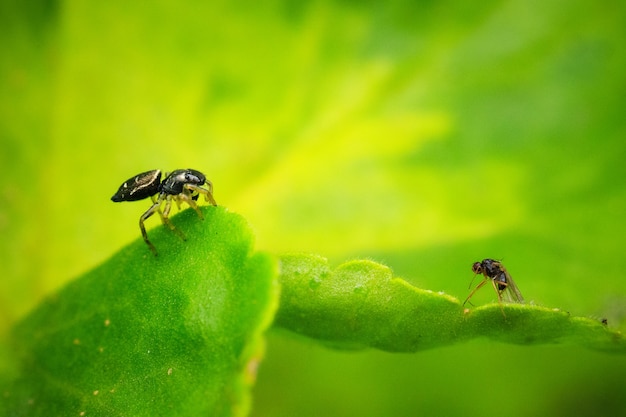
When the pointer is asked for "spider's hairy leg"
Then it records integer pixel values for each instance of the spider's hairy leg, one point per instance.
(208, 193)
(166, 219)
(186, 198)
(154, 207)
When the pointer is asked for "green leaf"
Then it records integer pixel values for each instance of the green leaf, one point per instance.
(173, 335)
(360, 304)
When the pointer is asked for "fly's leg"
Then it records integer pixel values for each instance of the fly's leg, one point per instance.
(473, 291)
(495, 287)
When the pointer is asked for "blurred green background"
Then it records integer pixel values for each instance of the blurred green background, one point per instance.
(425, 135)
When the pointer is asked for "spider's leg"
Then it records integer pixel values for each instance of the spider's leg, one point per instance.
(186, 198)
(159, 210)
(166, 219)
(208, 193)
(154, 207)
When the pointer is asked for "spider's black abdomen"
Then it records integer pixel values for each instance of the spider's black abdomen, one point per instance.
(141, 186)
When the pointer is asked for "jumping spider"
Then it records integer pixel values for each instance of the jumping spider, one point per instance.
(180, 186)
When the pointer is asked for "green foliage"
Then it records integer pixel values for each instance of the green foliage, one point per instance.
(175, 335)
(424, 135)
(179, 334)
(360, 304)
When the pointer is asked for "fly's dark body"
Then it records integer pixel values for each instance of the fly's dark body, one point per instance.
(501, 280)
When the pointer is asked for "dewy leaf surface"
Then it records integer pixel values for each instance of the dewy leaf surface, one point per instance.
(361, 305)
(175, 335)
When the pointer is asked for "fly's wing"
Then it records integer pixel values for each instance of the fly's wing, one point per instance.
(511, 293)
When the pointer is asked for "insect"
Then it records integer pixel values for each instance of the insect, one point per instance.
(500, 279)
(180, 186)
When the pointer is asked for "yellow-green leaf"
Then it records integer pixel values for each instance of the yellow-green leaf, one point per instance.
(173, 335)
(360, 304)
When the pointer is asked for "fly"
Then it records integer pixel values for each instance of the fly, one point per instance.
(500, 279)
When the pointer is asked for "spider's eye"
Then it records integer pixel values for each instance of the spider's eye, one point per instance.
(192, 178)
